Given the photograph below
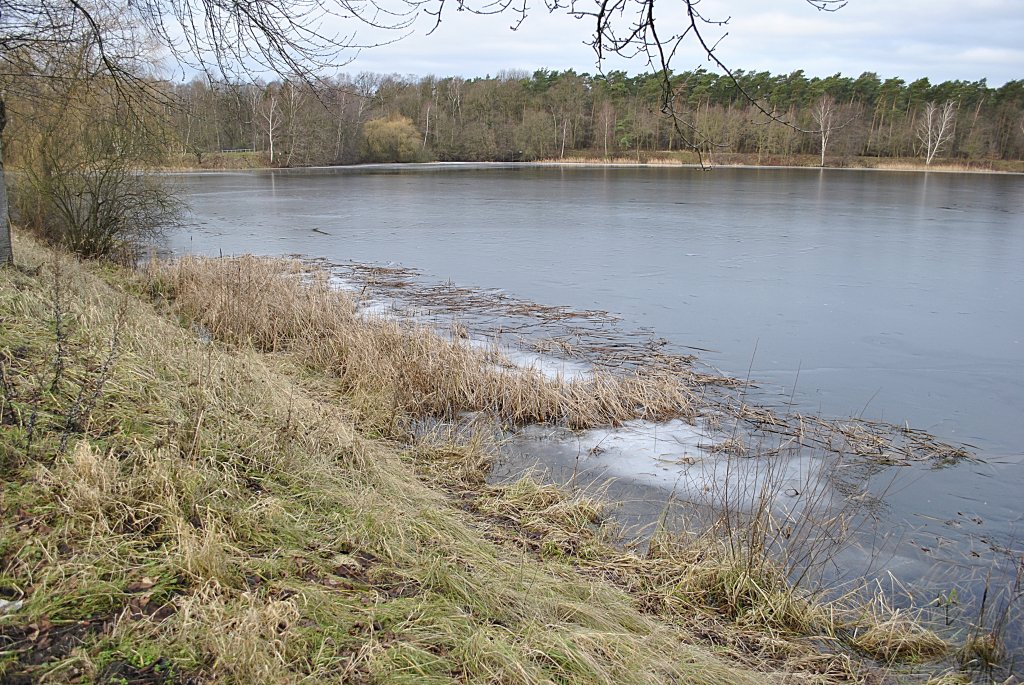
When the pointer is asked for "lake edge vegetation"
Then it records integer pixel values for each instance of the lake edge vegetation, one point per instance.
(204, 482)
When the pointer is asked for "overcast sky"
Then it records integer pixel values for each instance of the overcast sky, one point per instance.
(939, 39)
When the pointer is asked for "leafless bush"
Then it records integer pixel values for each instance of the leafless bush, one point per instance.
(92, 201)
(82, 146)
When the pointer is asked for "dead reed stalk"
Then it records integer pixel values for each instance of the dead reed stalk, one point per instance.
(394, 370)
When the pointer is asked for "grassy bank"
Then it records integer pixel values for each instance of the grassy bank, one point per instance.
(215, 471)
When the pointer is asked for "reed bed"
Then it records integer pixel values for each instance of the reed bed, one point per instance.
(392, 370)
(955, 166)
(590, 335)
(644, 159)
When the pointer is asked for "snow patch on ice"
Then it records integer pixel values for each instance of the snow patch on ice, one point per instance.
(550, 367)
(679, 456)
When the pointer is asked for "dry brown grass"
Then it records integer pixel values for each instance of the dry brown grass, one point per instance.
(393, 371)
(736, 159)
(900, 639)
(960, 167)
(645, 159)
(215, 516)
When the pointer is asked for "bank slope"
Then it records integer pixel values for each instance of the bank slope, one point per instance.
(180, 508)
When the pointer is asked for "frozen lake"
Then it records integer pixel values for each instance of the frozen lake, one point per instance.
(892, 295)
(899, 295)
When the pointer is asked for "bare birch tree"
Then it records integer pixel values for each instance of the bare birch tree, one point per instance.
(270, 115)
(831, 117)
(935, 128)
(292, 100)
(824, 113)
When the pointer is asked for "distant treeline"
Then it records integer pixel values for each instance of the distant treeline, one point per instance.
(552, 114)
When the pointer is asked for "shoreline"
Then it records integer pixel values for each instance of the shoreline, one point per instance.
(294, 510)
(788, 167)
(595, 164)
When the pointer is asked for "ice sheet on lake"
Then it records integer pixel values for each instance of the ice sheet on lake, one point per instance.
(376, 308)
(678, 456)
(336, 282)
(551, 367)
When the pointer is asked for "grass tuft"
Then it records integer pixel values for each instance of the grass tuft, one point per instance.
(893, 635)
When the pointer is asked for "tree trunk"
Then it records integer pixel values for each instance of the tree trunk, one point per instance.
(426, 131)
(6, 250)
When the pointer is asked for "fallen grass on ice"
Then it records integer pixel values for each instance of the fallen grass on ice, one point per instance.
(209, 477)
(573, 341)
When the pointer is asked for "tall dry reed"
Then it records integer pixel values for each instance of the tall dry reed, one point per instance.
(391, 370)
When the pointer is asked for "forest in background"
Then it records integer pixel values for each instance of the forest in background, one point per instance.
(516, 116)
(78, 137)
